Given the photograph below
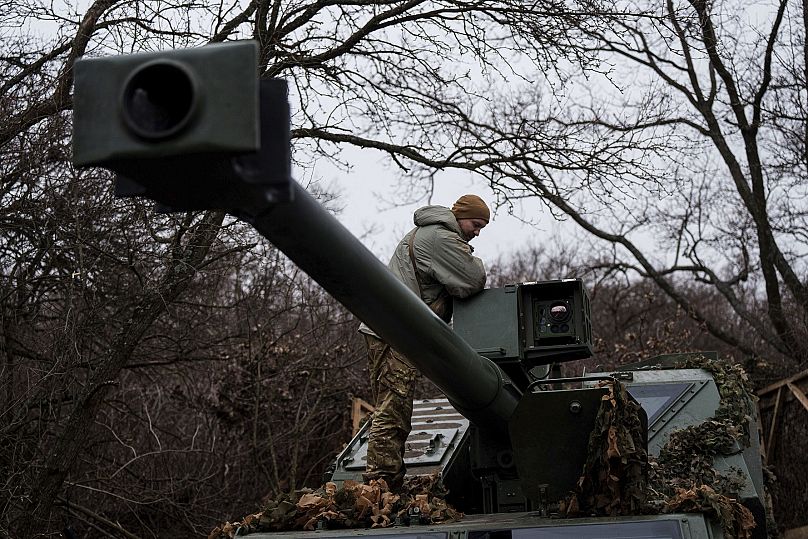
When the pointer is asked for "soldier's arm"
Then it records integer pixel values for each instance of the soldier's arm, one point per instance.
(453, 265)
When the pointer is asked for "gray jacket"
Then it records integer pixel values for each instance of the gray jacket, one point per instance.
(445, 261)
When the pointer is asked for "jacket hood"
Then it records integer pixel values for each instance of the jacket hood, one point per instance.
(437, 215)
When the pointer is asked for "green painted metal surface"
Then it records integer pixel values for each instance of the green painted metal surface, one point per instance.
(144, 106)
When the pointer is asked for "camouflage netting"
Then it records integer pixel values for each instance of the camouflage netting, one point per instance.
(682, 479)
(613, 481)
(355, 505)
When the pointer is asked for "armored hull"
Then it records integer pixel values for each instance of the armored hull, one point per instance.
(442, 442)
(532, 526)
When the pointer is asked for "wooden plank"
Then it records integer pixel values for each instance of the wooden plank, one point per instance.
(796, 533)
(799, 394)
(770, 440)
(359, 410)
(760, 433)
(767, 401)
(785, 381)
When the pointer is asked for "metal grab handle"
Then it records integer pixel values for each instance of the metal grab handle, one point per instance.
(485, 351)
(569, 380)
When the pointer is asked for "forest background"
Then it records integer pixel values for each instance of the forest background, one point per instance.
(162, 373)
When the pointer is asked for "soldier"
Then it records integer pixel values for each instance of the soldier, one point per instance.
(435, 260)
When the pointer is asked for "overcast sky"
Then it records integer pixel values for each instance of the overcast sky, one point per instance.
(366, 193)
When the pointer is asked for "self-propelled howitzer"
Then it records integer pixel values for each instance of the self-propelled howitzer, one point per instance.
(194, 130)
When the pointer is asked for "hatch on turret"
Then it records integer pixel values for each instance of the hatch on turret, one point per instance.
(437, 431)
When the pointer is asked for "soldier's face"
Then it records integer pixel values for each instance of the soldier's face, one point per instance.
(471, 227)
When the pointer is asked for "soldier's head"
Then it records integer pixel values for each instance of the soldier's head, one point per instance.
(472, 215)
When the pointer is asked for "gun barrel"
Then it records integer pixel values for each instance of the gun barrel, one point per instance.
(314, 240)
(166, 123)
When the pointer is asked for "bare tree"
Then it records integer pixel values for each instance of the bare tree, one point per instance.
(684, 153)
(134, 345)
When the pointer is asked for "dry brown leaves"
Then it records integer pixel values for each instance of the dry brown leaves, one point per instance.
(737, 520)
(355, 505)
(683, 476)
(614, 478)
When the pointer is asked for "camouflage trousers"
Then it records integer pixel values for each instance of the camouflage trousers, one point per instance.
(392, 380)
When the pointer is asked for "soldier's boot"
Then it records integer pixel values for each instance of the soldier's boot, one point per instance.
(395, 483)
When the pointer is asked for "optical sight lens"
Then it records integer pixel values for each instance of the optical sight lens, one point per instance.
(560, 311)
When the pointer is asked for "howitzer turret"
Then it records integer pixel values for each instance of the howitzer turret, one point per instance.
(195, 130)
